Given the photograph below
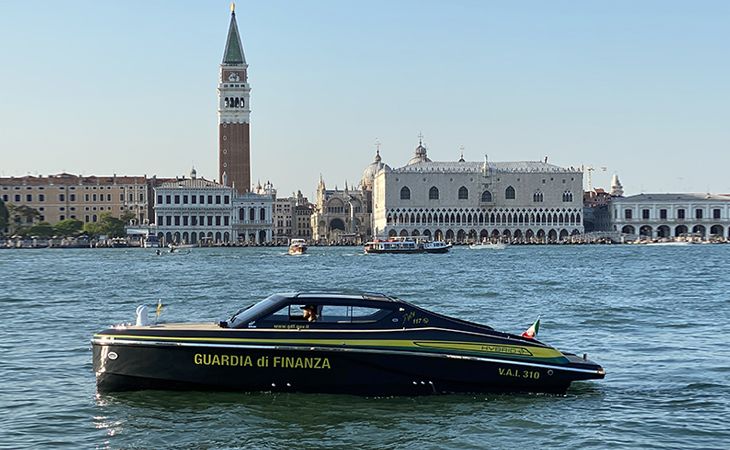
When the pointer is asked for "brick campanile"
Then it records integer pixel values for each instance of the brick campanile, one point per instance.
(234, 141)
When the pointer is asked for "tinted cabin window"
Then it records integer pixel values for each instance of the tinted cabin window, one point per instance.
(335, 314)
(326, 314)
(365, 314)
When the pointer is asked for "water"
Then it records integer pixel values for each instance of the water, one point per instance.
(655, 317)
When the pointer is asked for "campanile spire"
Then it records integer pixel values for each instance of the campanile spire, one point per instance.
(234, 144)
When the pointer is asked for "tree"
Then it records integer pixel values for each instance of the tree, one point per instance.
(68, 227)
(20, 216)
(93, 229)
(112, 226)
(41, 229)
(127, 217)
(23, 214)
(4, 216)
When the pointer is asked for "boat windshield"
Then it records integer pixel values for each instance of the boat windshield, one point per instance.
(246, 315)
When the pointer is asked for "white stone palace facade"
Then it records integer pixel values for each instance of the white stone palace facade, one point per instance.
(253, 215)
(672, 215)
(193, 210)
(465, 201)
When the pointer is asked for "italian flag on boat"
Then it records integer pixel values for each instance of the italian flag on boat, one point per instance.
(531, 332)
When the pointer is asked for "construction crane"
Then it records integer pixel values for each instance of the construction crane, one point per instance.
(590, 170)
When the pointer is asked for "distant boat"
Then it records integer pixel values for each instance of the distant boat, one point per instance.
(297, 246)
(670, 244)
(489, 246)
(119, 243)
(406, 245)
(151, 241)
(180, 248)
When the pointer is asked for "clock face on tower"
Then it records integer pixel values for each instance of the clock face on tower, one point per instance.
(233, 76)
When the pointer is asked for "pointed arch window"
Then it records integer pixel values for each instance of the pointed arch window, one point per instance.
(509, 193)
(463, 193)
(433, 193)
(567, 196)
(405, 193)
(537, 197)
(486, 197)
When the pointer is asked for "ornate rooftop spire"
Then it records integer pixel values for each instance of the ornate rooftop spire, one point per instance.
(234, 50)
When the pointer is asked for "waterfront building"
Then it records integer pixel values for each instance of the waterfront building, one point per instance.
(194, 210)
(596, 214)
(302, 220)
(341, 216)
(282, 219)
(345, 216)
(464, 201)
(253, 215)
(291, 219)
(85, 198)
(672, 215)
(234, 110)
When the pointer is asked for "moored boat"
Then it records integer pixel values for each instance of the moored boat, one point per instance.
(297, 246)
(151, 241)
(369, 344)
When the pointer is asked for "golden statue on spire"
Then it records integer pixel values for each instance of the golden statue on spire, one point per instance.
(233, 7)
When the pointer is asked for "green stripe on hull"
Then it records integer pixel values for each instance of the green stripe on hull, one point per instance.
(543, 354)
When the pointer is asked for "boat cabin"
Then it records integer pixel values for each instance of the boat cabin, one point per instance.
(342, 312)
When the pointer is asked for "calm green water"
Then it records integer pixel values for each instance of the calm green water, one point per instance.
(655, 317)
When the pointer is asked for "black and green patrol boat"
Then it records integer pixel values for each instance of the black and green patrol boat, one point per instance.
(369, 344)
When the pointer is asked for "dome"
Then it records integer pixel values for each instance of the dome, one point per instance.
(420, 155)
(368, 175)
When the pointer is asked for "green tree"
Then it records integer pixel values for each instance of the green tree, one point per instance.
(19, 230)
(4, 217)
(41, 229)
(111, 226)
(20, 216)
(93, 229)
(127, 216)
(68, 227)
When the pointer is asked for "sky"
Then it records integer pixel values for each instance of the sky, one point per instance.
(640, 89)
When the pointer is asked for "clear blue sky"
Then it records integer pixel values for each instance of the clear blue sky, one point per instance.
(639, 87)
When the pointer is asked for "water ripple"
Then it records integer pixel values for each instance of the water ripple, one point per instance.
(653, 317)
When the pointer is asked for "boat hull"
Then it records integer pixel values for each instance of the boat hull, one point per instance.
(120, 367)
(376, 251)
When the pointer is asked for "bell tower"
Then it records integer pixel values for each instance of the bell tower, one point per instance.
(234, 141)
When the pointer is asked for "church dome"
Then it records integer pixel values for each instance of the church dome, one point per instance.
(420, 155)
(368, 175)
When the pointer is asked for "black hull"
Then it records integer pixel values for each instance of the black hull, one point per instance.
(316, 370)
(438, 250)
